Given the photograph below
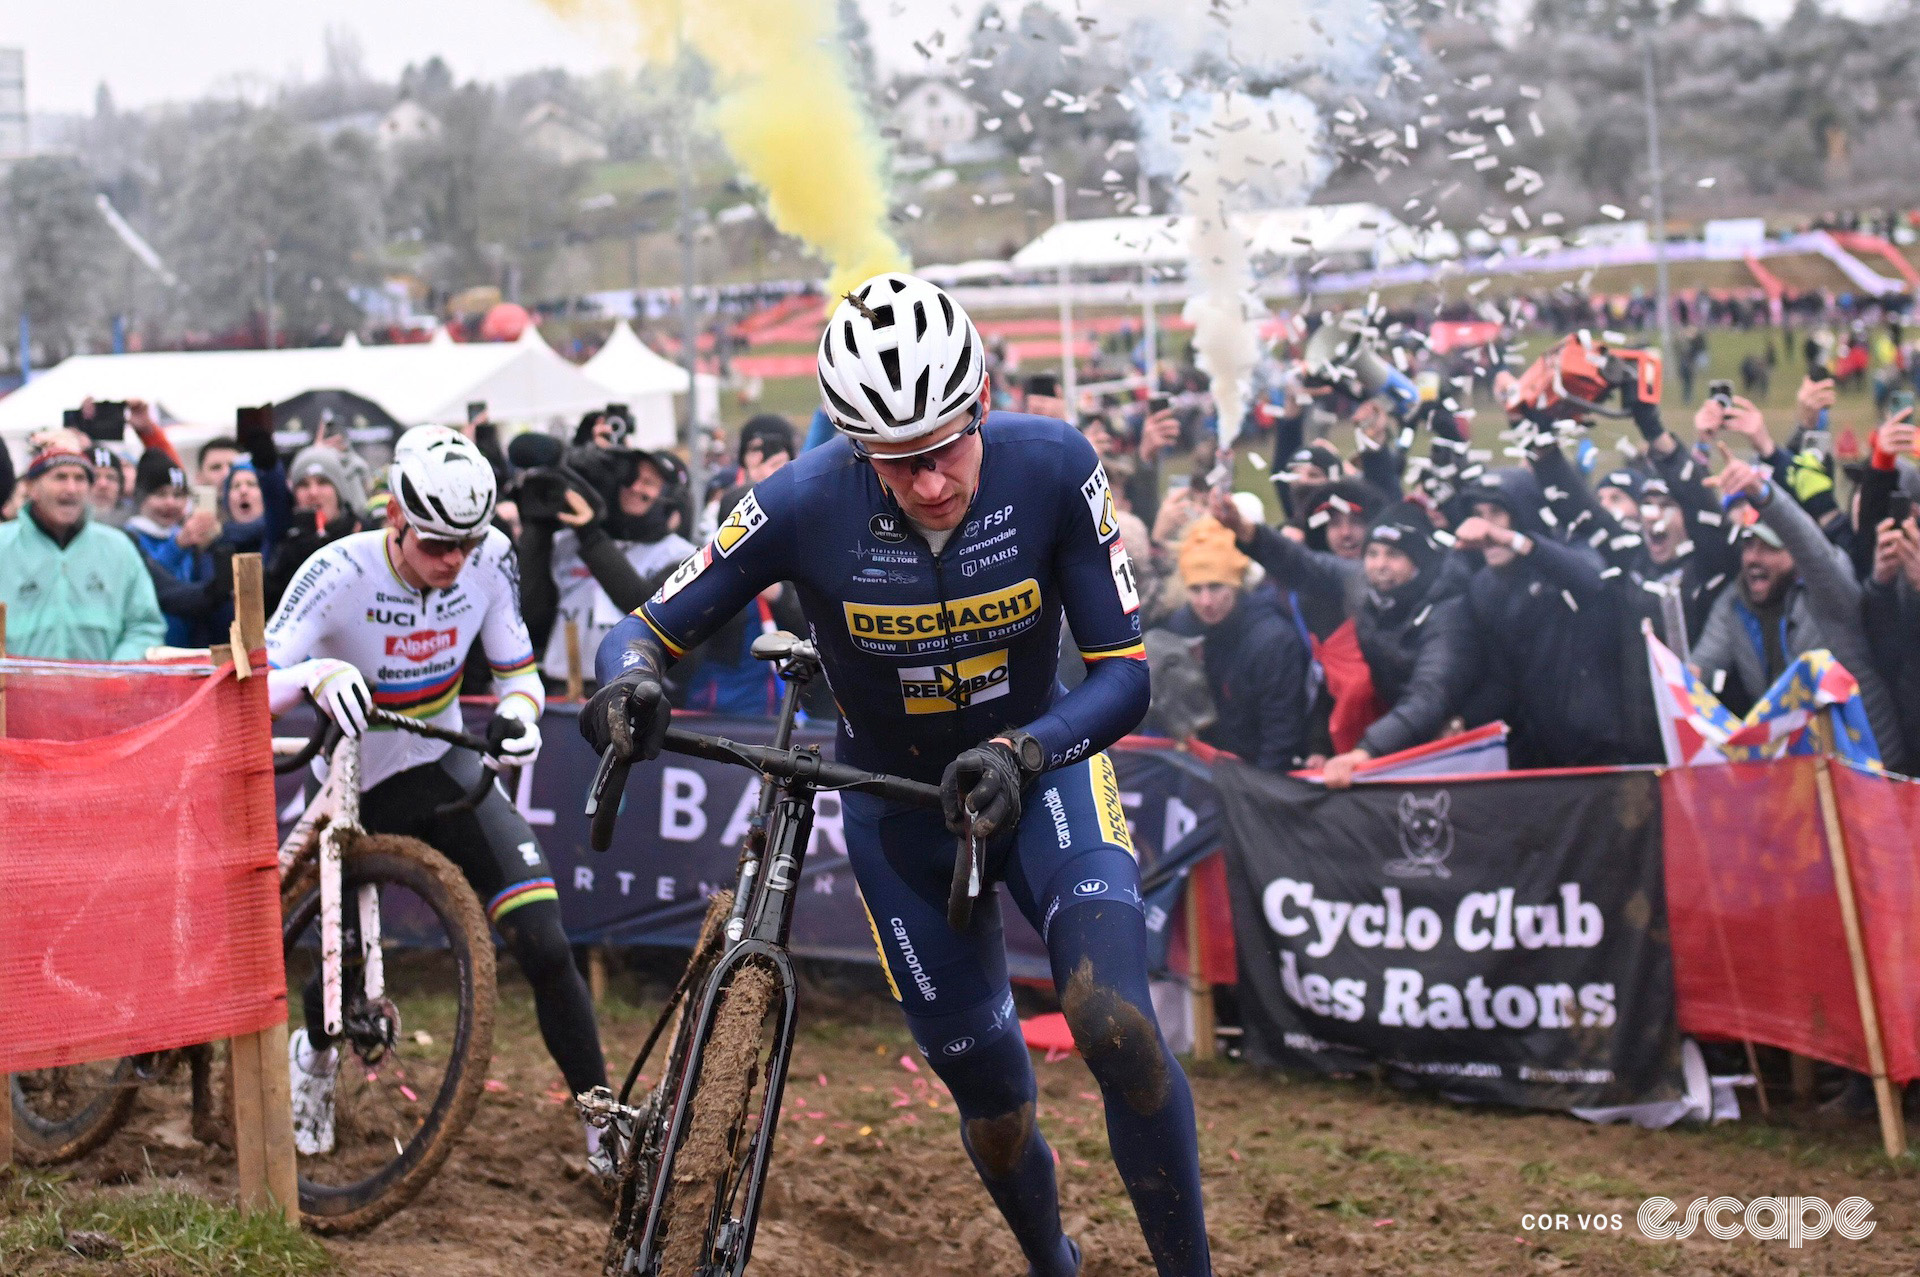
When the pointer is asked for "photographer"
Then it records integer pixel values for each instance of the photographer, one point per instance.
(598, 534)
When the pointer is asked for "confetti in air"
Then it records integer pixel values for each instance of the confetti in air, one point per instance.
(788, 112)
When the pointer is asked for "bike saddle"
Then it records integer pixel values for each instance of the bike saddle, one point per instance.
(780, 646)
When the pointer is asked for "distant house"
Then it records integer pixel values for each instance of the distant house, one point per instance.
(562, 136)
(935, 114)
(406, 121)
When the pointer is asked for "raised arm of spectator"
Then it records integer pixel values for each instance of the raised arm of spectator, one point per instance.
(1823, 568)
(1893, 440)
(148, 431)
(1291, 564)
(1582, 518)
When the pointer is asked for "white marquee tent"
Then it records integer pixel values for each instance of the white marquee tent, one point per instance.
(521, 381)
(632, 373)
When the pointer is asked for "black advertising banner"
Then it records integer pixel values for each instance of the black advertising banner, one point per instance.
(680, 827)
(1496, 940)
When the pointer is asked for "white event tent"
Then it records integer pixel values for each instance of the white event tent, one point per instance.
(196, 392)
(631, 372)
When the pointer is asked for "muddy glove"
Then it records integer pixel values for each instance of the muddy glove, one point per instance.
(987, 781)
(630, 714)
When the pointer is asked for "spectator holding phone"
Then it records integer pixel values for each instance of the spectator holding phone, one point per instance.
(75, 589)
(1796, 592)
(192, 581)
(328, 503)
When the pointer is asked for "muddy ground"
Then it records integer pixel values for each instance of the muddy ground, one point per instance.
(1301, 1176)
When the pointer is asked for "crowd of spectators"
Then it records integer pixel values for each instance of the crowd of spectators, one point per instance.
(1412, 584)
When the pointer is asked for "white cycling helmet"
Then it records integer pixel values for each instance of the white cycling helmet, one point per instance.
(443, 484)
(898, 360)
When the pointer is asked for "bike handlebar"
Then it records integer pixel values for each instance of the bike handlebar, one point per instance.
(603, 800)
(326, 732)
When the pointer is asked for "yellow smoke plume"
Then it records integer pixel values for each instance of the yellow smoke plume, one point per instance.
(787, 111)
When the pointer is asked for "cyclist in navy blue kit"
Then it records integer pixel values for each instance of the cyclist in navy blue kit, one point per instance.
(935, 548)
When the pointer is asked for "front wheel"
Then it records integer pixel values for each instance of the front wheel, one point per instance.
(63, 1114)
(408, 1068)
(706, 1170)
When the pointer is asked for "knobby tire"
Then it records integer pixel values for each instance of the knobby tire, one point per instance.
(703, 1168)
(42, 1140)
(408, 862)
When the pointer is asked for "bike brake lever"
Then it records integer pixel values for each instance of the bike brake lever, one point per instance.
(966, 879)
(603, 799)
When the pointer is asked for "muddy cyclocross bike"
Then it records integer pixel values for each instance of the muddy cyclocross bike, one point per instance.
(414, 1039)
(691, 1156)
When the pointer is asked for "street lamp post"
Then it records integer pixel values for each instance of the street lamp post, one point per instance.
(1662, 294)
(272, 334)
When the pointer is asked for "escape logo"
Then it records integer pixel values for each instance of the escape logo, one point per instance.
(1794, 1220)
(941, 689)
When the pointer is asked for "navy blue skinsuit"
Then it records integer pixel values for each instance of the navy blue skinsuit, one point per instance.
(929, 655)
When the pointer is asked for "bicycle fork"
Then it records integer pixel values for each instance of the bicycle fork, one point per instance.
(344, 772)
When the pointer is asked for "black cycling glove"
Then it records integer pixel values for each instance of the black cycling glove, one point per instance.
(989, 779)
(630, 713)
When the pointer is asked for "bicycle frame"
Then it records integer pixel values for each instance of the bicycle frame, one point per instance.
(332, 816)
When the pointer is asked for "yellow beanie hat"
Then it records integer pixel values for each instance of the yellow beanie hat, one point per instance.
(1208, 555)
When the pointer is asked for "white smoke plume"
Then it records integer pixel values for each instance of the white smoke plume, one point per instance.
(1230, 153)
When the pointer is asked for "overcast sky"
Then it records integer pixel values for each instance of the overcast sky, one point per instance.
(150, 51)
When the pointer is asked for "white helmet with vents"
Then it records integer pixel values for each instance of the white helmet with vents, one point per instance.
(898, 360)
(444, 485)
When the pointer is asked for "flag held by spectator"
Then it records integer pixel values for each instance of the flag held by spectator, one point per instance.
(1697, 729)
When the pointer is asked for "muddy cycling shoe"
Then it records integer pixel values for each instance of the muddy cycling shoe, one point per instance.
(312, 1074)
(1073, 1269)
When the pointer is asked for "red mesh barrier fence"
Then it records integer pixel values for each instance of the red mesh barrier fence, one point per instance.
(139, 888)
(1880, 817)
(1758, 947)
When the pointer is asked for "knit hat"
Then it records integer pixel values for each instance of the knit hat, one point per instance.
(1208, 555)
(156, 470)
(1407, 529)
(330, 464)
(773, 432)
(1628, 481)
(1321, 454)
(51, 458)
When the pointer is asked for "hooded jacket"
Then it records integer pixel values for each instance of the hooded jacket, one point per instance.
(1415, 640)
(1544, 628)
(1256, 667)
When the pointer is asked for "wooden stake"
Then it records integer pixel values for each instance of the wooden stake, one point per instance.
(1759, 1082)
(1893, 1127)
(576, 679)
(262, 1089)
(1200, 989)
(1800, 1076)
(6, 1080)
(597, 972)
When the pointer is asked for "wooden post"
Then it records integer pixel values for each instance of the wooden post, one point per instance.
(1200, 989)
(1800, 1076)
(597, 972)
(1893, 1129)
(6, 1080)
(576, 678)
(262, 1090)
